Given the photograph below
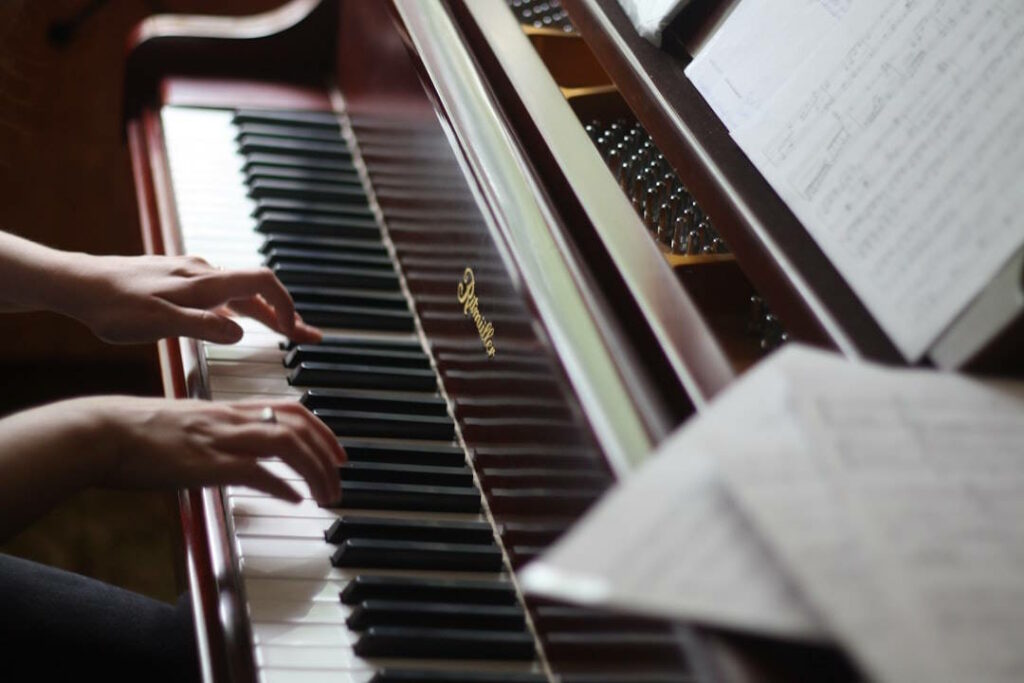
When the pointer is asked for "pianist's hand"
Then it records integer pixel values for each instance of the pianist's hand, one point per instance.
(180, 444)
(52, 452)
(132, 299)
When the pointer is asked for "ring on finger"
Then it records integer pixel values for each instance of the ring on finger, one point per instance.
(268, 416)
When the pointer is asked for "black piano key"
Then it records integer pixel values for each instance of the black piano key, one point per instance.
(361, 423)
(425, 531)
(284, 160)
(406, 474)
(409, 497)
(307, 191)
(466, 591)
(356, 317)
(337, 276)
(615, 646)
(340, 296)
(533, 533)
(261, 144)
(436, 676)
(513, 477)
(570, 618)
(544, 502)
(276, 241)
(313, 119)
(404, 454)
(331, 226)
(327, 258)
(398, 344)
(285, 130)
(435, 615)
(346, 354)
(385, 554)
(256, 172)
(352, 376)
(302, 207)
(427, 643)
(406, 403)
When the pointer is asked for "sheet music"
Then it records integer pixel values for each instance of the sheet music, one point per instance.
(756, 50)
(900, 519)
(669, 543)
(899, 144)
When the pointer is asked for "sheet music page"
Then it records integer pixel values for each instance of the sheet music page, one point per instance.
(898, 142)
(756, 50)
(901, 518)
(668, 542)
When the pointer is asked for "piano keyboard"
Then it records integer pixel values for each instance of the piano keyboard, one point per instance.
(404, 581)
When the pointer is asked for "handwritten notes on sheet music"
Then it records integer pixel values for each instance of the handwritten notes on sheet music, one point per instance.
(897, 140)
(890, 502)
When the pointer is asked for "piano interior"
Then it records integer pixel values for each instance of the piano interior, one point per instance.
(536, 252)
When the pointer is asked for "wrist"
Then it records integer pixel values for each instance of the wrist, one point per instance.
(92, 424)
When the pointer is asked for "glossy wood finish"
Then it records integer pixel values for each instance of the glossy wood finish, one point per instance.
(774, 250)
(294, 44)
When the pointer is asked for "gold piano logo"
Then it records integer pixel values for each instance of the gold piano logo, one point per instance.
(471, 308)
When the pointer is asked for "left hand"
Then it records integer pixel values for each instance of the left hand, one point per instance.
(133, 299)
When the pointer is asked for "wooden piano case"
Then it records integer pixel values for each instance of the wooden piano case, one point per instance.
(638, 338)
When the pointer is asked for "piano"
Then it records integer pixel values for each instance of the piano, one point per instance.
(535, 252)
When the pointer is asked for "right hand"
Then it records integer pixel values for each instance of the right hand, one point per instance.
(186, 443)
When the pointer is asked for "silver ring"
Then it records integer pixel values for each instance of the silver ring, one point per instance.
(268, 416)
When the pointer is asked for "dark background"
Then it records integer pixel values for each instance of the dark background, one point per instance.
(65, 181)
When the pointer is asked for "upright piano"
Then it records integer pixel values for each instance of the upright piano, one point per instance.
(535, 251)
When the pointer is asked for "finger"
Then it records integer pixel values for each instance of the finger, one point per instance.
(260, 479)
(279, 439)
(256, 308)
(308, 428)
(230, 470)
(305, 333)
(199, 324)
(327, 437)
(244, 284)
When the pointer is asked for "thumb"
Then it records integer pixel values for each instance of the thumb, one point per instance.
(206, 325)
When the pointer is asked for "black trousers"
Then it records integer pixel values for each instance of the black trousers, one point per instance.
(55, 625)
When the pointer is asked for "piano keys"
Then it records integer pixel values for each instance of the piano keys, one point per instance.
(404, 579)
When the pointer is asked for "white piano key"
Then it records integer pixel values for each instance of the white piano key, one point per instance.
(292, 548)
(275, 633)
(280, 527)
(323, 570)
(294, 589)
(234, 368)
(273, 507)
(278, 656)
(297, 611)
(252, 385)
(275, 675)
(247, 354)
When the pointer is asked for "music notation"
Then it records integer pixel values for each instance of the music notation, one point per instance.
(897, 143)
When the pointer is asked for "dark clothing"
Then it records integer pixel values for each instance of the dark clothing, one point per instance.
(58, 625)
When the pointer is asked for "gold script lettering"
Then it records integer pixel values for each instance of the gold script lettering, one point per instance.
(471, 308)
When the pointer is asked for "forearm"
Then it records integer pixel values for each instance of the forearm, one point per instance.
(34, 277)
(48, 454)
